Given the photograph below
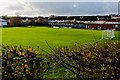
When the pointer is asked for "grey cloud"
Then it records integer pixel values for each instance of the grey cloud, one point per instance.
(62, 8)
(81, 7)
(15, 7)
(53, 7)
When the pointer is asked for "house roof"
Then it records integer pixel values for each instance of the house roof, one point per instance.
(81, 18)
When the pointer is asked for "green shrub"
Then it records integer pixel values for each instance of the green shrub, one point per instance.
(97, 61)
(22, 64)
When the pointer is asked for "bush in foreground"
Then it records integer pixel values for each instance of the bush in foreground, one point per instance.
(22, 64)
(98, 61)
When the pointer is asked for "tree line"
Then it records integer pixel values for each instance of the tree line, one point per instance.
(26, 21)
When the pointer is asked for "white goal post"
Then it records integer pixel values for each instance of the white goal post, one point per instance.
(108, 34)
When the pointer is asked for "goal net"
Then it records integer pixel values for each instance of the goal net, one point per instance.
(108, 34)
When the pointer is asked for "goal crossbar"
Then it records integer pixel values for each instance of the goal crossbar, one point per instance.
(108, 34)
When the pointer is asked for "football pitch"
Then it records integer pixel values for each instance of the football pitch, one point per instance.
(45, 37)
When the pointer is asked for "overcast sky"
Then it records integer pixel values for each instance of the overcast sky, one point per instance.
(57, 7)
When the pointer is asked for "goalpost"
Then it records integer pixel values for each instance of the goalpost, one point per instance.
(108, 34)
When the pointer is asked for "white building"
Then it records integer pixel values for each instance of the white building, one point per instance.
(3, 22)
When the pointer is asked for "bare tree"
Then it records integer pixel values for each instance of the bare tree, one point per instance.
(15, 21)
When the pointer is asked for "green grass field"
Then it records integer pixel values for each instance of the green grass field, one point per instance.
(38, 36)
